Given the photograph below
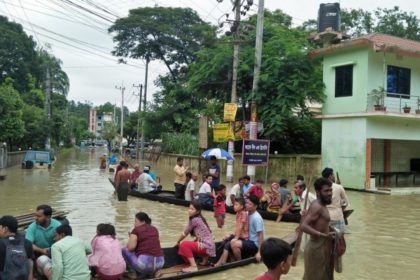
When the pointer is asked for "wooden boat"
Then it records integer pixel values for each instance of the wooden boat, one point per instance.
(169, 197)
(25, 220)
(174, 264)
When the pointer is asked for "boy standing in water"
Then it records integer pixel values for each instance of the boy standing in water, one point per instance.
(219, 206)
(277, 257)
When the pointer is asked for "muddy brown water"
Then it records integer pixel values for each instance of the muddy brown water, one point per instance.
(383, 240)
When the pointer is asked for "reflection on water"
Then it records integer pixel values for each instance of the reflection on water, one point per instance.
(382, 244)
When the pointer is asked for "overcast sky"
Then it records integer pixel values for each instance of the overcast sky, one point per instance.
(94, 73)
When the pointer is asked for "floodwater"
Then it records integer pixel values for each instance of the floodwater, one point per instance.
(383, 240)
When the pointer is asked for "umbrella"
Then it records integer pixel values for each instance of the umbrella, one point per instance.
(218, 153)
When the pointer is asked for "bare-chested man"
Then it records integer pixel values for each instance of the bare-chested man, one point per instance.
(122, 182)
(318, 252)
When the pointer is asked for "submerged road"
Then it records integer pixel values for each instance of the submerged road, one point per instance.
(384, 230)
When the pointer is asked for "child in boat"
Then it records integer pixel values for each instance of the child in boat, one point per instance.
(106, 259)
(219, 205)
(241, 229)
(205, 194)
(277, 257)
(203, 245)
(257, 189)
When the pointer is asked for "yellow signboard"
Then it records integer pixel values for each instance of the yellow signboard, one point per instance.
(230, 112)
(222, 132)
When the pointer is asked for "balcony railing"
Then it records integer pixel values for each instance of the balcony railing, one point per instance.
(393, 102)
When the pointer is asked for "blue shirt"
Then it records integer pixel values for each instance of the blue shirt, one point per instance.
(216, 180)
(246, 187)
(40, 236)
(256, 225)
(284, 192)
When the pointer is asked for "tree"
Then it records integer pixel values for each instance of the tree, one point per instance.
(11, 125)
(109, 132)
(60, 83)
(171, 35)
(18, 57)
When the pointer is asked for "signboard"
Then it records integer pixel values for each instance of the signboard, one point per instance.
(203, 132)
(255, 152)
(229, 113)
(222, 132)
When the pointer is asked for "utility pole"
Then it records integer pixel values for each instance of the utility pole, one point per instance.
(257, 67)
(144, 108)
(140, 87)
(48, 107)
(121, 88)
(233, 96)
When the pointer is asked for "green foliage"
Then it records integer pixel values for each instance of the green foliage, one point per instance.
(109, 132)
(11, 125)
(180, 143)
(171, 35)
(392, 21)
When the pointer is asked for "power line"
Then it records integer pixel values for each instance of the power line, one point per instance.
(26, 16)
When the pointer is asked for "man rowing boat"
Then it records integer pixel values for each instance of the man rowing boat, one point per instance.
(319, 263)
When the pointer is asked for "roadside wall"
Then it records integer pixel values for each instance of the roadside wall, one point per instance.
(15, 158)
(280, 166)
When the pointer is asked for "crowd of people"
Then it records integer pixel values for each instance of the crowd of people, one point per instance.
(50, 250)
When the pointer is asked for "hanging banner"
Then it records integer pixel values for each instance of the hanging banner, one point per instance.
(222, 132)
(255, 152)
(240, 132)
(229, 113)
(203, 133)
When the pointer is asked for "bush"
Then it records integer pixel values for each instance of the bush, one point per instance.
(180, 143)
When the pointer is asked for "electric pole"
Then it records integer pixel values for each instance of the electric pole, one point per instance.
(144, 108)
(257, 67)
(48, 108)
(233, 96)
(140, 87)
(121, 88)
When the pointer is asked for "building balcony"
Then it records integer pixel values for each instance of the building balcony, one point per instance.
(393, 103)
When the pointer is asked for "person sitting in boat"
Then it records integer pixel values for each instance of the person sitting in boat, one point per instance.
(273, 198)
(235, 192)
(247, 248)
(134, 176)
(151, 173)
(190, 190)
(276, 254)
(143, 254)
(15, 251)
(145, 182)
(257, 189)
(106, 260)
(203, 245)
(41, 233)
(286, 196)
(247, 184)
(241, 229)
(205, 195)
(112, 159)
(102, 160)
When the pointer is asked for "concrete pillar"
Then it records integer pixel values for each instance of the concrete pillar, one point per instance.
(387, 161)
(368, 163)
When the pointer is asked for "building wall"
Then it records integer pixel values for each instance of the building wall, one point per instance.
(393, 128)
(280, 166)
(351, 104)
(344, 149)
(401, 153)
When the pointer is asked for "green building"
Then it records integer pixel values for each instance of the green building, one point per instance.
(367, 134)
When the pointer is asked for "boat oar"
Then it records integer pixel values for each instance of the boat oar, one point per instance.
(296, 249)
(282, 210)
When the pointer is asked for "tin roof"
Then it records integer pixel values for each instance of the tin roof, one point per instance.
(378, 42)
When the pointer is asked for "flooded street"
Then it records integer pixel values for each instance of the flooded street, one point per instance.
(384, 230)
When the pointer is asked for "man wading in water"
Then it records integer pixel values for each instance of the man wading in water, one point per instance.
(121, 182)
(319, 264)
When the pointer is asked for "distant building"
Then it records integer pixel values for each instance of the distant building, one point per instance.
(371, 114)
(92, 121)
(101, 120)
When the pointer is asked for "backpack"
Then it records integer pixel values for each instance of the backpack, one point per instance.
(16, 266)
